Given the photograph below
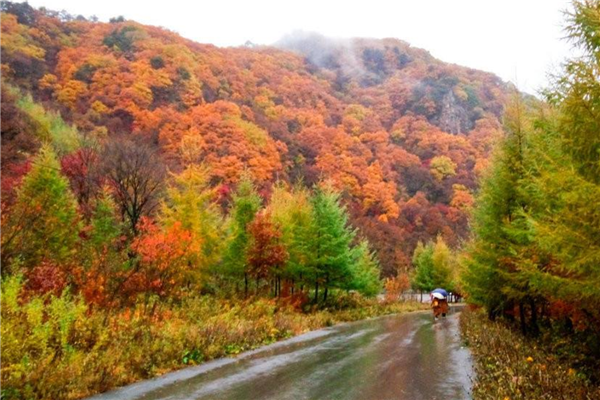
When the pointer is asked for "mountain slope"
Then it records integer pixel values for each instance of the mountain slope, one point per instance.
(402, 134)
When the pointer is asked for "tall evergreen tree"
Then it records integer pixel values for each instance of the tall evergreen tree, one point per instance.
(423, 278)
(566, 182)
(103, 258)
(105, 227)
(246, 203)
(331, 243)
(537, 219)
(498, 252)
(365, 271)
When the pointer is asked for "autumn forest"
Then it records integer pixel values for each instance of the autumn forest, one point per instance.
(159, 193)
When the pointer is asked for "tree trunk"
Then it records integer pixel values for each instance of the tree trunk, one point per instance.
(326, 288)
(522, 317)
(543, 311)
(534, 325)
(508, 311)
(245, 285)
(316, 291)
(153, 308)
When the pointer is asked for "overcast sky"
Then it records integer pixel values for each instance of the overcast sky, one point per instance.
(520, 40)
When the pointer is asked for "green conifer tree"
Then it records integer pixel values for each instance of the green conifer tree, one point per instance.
(423, 277)
(503, 252)
(246, 203)
(442, 265)
(292, 210)
(43, 223)
(331, 243)
(365, 271)
(105, 226)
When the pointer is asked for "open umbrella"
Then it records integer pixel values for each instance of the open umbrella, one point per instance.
(439, 293)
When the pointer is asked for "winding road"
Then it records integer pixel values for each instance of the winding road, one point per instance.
(396, 357)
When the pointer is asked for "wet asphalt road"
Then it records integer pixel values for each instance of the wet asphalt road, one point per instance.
(397, 357)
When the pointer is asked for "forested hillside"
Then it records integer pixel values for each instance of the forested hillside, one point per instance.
(166, 202)
(401, 135)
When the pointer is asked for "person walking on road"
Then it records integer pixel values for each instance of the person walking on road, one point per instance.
(439, 303)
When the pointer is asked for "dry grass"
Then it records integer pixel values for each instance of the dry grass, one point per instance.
(510, 366)
(57, 348)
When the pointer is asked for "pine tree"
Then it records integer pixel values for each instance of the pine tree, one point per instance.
(103, 258)
(537, 221)
(566, 219)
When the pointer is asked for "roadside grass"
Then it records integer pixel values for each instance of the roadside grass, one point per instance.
(60, 348)
(511, 366)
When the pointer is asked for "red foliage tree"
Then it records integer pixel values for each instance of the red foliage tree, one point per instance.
(166, 261)
(266, 252)
(46, 277)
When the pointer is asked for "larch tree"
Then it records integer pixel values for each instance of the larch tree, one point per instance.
(365, 271)
(103, 258)
(246, 203)
(442, 264)
(331, 241)
(423, 277)
(192, 202)
(292, 210)
(502, 251)
(566, 182)
(43, 223)
(104, 226)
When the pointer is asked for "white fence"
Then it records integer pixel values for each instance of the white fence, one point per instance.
(423, 297)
